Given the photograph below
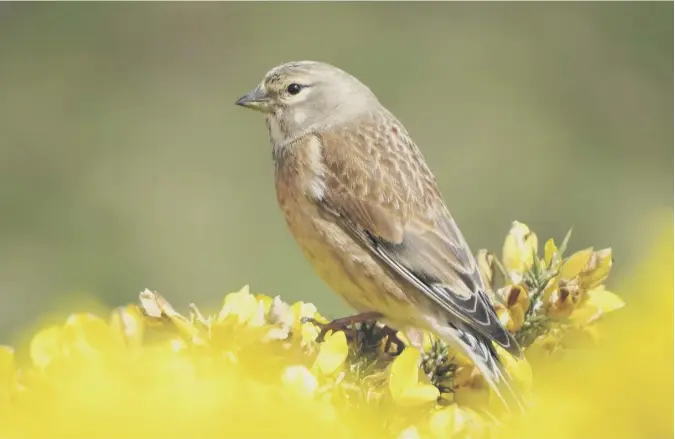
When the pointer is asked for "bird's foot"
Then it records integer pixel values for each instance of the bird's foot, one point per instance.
(345, 324)
(342, 324)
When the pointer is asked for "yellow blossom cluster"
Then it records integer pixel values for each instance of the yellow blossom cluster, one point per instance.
(549, 301)
(257, 368)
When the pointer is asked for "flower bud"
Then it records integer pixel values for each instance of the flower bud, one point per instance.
(520, 249)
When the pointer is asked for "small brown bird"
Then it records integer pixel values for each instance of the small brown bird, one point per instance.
(366, 211)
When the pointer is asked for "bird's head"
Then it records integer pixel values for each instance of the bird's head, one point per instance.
(305, 95)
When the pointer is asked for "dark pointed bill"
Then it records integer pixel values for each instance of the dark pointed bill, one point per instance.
(255, 99)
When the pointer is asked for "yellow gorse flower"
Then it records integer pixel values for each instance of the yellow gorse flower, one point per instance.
(332, 353)
(255, 368)
(519, 251)
(404, 383)
(515, 304)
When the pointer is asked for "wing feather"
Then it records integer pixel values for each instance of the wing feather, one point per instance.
(379, 189)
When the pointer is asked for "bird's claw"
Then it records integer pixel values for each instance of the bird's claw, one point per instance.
(392, 340)
(345, 324)
(342, 324)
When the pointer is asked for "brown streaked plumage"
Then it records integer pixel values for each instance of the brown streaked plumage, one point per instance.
(366, 211)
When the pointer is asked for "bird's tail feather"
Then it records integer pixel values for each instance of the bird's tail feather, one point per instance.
(483, 354)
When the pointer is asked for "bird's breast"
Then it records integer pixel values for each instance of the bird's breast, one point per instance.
(299, 186)
(321, 242)
(299, 167)
(344, 264)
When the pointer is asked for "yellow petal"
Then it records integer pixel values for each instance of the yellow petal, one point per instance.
(520, 248)
(404, 385)
(300, 381)
(417, 395)
(599, 302)
(516, 296)
(597, 269)
(280, 313)
(332, 353)
(575, 263)
(149, 304)
(517, 314)
(550, 287)
(156, 306)
(303, 310)
(560, 306)
(503, 315)
(90, 335)
(405, 370)
(188, 330)
(604, 300)
(550, 252)
(86, 322)
(512, 318)
(266, 301)
(242, 305)
(308, 331)
(198, 319)
(46, 346)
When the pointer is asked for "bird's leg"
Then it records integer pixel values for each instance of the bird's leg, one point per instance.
(342, 324)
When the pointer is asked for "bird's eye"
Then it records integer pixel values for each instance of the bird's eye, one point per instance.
(294, 88)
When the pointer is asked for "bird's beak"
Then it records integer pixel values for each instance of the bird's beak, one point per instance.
(256, 99)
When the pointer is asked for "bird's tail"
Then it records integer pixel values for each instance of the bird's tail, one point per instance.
(483, 354)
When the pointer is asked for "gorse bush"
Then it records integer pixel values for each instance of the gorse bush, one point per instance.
(255, 369)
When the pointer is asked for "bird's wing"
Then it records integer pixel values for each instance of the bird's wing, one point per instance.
(379, 189)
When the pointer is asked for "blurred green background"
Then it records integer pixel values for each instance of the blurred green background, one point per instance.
(124, 163)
